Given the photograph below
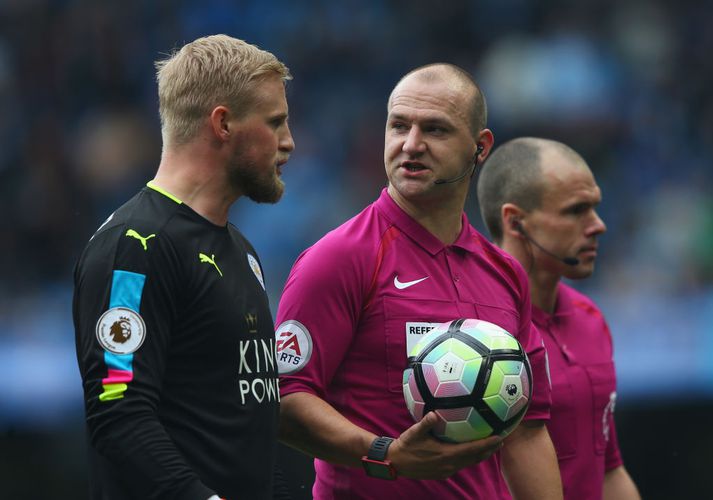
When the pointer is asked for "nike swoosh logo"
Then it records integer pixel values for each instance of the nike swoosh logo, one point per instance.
(407, 284)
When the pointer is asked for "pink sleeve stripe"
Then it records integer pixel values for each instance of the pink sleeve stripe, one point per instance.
(118, 377)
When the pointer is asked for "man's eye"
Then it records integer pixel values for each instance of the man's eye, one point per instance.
(580, 208)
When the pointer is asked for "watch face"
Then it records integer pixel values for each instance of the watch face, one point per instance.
(378, 469)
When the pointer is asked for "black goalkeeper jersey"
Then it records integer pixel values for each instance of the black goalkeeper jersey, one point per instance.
(175, 343)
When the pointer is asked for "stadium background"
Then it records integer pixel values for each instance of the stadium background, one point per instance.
(626, 83)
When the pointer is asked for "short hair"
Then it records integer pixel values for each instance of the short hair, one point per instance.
(478, 113)
(511, 174)
(210, 71)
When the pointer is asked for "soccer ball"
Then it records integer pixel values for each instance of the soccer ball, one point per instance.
(474, 375)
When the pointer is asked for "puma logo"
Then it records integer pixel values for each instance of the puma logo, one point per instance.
(133, 234)
(210, 260)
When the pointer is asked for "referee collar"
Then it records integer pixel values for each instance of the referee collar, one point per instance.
(563, 307)
(467, 239)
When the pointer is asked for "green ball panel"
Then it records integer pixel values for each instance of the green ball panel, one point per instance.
(492, 336)
(407, 374)
(495, 383)
(439, 351)
(480, 426)
(460, 425)
(427, 339)
(470, 373)
(505, 341)
(464, 351)
(498, 405)
(509, 367)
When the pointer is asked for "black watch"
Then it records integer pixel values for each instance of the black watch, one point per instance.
(375, 463)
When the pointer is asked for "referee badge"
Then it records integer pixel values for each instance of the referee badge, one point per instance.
(121, 330)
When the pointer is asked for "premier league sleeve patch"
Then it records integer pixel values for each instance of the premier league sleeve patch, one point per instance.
(294, 347)
(121, 330)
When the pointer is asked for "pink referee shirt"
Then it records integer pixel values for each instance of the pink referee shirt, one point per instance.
(581, 425)
(354, 303)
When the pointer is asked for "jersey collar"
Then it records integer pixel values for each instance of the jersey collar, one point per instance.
(563, 307)
(467, 239)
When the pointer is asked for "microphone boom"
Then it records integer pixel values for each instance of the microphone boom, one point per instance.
(570, 261)
(470, 170)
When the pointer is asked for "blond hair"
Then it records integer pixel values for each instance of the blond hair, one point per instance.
(208, 72)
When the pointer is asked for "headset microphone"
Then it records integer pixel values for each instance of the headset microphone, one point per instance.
(570, 261)
(469, 170)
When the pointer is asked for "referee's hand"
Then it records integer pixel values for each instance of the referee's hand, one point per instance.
(419, 455)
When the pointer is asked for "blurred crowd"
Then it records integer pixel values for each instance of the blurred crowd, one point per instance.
(626, 83)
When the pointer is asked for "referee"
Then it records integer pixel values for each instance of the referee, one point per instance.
(174, 335)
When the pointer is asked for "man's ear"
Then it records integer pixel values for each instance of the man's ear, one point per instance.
(485, 141)
(511, 218)
(219, 123)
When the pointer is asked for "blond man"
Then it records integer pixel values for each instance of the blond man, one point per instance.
(183, 403)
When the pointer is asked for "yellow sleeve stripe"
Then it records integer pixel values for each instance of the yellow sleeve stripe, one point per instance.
(113, 391)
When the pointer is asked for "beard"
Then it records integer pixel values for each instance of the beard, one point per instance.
(257, 184)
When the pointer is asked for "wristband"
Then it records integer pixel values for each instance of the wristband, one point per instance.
(375, 463)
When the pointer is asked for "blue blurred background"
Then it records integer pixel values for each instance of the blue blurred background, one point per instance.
(629, 84)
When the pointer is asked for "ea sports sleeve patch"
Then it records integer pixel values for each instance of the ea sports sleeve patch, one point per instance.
(294, 347)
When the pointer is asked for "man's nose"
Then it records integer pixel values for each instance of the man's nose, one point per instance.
(414, 141)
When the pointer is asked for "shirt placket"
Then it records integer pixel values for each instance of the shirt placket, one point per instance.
(454, 263)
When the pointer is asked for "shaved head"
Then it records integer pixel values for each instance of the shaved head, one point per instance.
(514, 173)
(461, 81)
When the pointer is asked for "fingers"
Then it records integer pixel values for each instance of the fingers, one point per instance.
(421, 429)
(494, 442)
(427, 422)
(476, 451)
(471, 452)
(417, 454)
(483, 448)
